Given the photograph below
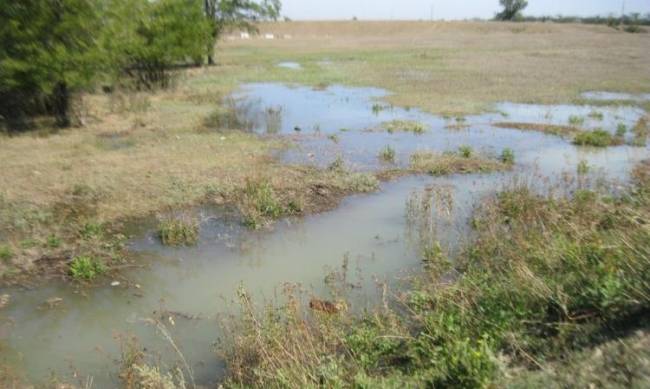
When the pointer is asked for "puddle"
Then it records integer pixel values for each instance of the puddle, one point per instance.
(372, 231)
(615, 96)
(290, 65)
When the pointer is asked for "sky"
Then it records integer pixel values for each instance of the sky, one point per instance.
(448, 9)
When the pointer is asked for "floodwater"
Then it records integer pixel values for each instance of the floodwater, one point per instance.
(290, 65)
(615, 96)
(369, 238)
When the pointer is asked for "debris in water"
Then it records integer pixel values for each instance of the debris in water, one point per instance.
(327, 306)
(115, 283)
(53, 302)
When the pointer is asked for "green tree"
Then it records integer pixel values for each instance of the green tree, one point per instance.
(144, 39)
(237, 14)
(511, 9)
(47, 52)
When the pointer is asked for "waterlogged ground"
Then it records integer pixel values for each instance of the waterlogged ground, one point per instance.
(369, 238)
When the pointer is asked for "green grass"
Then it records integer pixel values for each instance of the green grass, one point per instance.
(404, 126)
(178, 232)
(465, 151)
(596, 115)
(595, 138)
(576, 121)
(86, 268)
(6, 253)
(545, 282)
(583, 168)
(507, 156)
(621, 130)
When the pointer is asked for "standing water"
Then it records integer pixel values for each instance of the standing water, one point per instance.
(187, 288)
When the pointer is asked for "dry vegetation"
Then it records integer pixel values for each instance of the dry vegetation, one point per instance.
(456, 67)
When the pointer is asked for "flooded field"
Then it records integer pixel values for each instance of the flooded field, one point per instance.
(72, 333)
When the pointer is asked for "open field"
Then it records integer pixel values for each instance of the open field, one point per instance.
(548, 278)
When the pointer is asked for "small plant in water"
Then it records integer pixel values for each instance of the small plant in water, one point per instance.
(583, 167)
(595, 138)
(597, 115)
(465, 151)
(178, 232)
(575, 120)
(507, 156)
(621, 129)
(405, 126)
(333, 137)
(86, 268)
(387, 154)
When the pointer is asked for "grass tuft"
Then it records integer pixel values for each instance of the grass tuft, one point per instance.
(178, 232)
(387, 154)
(404, 126)
(86, 268)
(451, 163)
(595, 138)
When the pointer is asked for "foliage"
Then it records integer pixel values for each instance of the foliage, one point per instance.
(511, 9)
(145, 39)
(465, 151)
(6, 253)
(47, 52)
(224, 15)
(86, 268)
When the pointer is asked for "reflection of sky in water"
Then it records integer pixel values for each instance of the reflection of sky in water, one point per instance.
(615, 96)
(370, 230)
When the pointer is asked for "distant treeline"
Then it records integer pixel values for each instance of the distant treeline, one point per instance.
(52, 49)
(627, 20)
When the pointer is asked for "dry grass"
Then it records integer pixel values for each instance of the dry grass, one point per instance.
(453, 163)
(458, 67)
(545, 128)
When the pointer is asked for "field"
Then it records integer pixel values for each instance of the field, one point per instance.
(69, 197)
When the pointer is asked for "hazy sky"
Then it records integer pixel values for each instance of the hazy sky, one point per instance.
(448, 9)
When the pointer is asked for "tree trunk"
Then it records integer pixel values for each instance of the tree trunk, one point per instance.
(61, 104)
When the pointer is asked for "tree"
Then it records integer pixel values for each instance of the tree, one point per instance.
(237, 14)
(47, 51)
(511, 9)
(144, 39)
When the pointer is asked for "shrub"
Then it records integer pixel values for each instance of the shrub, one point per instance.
(86, 268)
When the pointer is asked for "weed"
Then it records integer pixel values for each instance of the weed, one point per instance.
(404, 126)
(91, 230)
(583, 168)
(387, 154)
(334, 138)
(260, 203)
(178, 232)
(595, 138)
(28, 243)
(86, 268)
(507, 156)
(338, 165)
(6, 254)
(377, 108)
(596, 115)
(641, 130)
(465, 151)
(576, 120)
(621, 130)
(53, 241)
